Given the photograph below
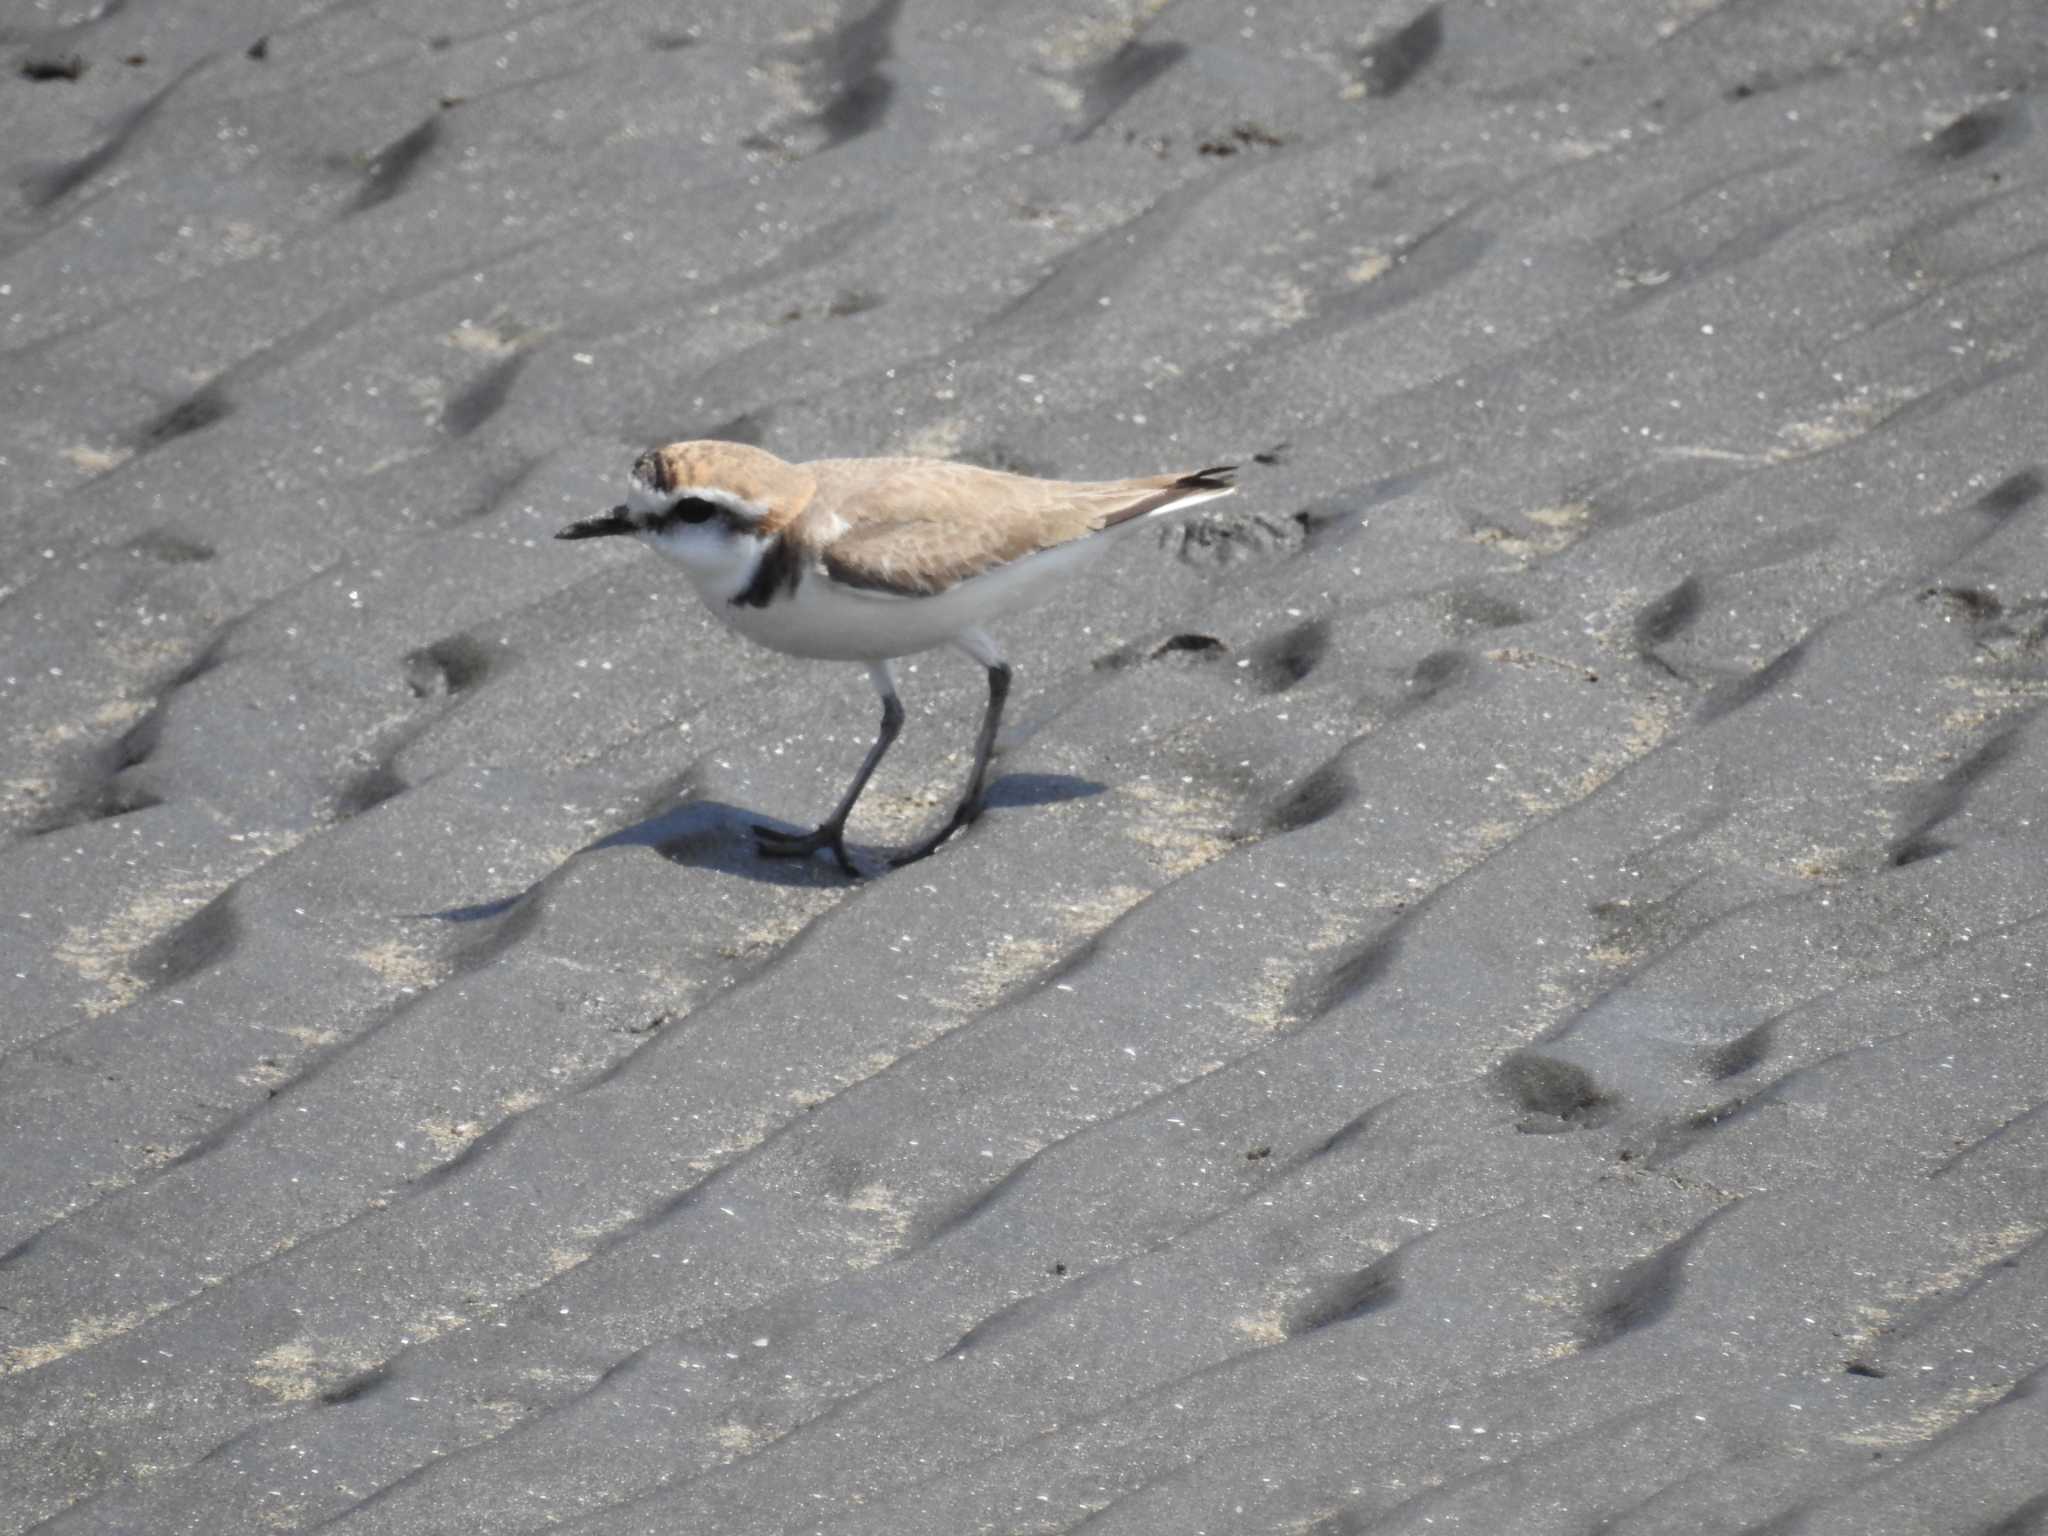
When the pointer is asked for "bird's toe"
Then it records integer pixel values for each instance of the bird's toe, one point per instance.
(773, 843)
(923, 850)
(960, 820)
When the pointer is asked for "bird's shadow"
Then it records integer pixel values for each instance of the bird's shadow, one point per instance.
(711, 834)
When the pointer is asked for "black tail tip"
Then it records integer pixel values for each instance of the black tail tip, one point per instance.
(1215, 478)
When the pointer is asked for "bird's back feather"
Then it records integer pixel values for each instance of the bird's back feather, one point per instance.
(913, 527)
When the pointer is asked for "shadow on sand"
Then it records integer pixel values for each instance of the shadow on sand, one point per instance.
(710, 834)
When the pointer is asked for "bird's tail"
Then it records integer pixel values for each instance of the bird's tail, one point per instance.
(1164, 493)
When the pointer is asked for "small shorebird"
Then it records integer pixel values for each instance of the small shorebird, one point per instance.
(870, 559)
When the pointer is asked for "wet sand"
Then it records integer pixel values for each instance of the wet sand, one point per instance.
(1501, 985)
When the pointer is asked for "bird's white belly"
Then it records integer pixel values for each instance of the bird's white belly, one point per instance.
(823, 619)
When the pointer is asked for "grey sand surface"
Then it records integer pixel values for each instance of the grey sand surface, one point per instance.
(1501, 985)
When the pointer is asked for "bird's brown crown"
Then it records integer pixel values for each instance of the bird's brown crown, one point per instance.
(781, 488)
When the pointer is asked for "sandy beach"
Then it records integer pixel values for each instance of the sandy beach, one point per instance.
(1501, 986)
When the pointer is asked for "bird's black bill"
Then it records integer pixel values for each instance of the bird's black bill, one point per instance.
(614, 521)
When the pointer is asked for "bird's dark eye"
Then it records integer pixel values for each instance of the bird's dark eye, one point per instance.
(689, 509)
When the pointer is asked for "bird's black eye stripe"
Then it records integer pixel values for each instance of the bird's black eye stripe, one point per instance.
(688, 509)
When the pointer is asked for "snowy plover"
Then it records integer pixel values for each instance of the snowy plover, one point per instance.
(869, 559)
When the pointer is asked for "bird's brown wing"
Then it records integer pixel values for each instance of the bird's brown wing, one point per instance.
(913, 527)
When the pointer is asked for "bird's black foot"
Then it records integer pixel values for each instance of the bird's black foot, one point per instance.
(776, 844)
(963, 817)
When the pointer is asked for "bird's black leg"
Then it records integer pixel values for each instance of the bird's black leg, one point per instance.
(984, 748)
(831, 833)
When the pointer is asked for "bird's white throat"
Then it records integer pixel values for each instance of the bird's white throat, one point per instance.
(719, 560)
